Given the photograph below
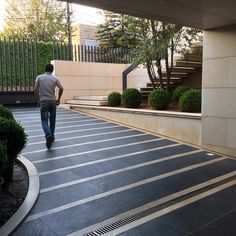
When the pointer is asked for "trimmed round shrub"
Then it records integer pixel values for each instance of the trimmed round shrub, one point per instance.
(14, 135)
(190, 101)
(179, 91)
(131, 98)
(159, 99)
(3, 157)
(5, 113)
(114, 99)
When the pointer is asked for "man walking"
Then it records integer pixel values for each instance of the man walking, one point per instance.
(44, 90)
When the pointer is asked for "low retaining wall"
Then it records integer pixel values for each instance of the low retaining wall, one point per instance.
(177, 125)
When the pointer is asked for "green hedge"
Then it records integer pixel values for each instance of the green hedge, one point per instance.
(3, 157)
(5, 113)
(131, 98)
(190, 101)
(114, 99)
(159, 99)
(23, 60)
(179, 91)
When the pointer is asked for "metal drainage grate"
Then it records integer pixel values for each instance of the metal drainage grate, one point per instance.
(122, 222)
(127, 220)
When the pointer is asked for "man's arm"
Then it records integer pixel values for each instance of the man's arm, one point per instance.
(36, 91)
(60, 92)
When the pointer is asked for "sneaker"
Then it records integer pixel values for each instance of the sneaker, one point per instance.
(48, 142)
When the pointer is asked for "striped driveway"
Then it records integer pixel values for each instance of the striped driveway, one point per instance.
(102, 178)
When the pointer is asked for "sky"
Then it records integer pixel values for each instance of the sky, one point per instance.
(82, 14)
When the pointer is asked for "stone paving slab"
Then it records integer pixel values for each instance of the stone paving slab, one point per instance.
(98, 172)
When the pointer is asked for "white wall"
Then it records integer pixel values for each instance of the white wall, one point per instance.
(219, 90)
(87, 78)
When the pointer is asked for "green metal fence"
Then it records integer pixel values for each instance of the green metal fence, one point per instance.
(22, 60)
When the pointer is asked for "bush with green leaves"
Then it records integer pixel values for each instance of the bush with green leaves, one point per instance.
(179, 91)
(14, 135)
(131, 98)
(114, 99)
(159, 99)
(3, 157)
(190, 101)
(5, 113)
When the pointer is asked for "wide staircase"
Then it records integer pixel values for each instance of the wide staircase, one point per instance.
(183, 69)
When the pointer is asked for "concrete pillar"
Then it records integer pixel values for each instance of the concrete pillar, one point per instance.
(219, 90)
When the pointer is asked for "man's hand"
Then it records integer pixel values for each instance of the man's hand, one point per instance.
(58, 102)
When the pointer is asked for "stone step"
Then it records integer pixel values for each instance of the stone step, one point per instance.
(188, 64)
(183, 69)
(177, 75)
(194, 58)
(86, 102)
(92, 98)
(171, 83)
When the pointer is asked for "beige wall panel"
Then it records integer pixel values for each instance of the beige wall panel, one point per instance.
(88, 69)
(220, 72)
(217, 77)
(219, 90)
(219, 43)
(219, 102)
(214, 131)
(184, 129)
(231, 133)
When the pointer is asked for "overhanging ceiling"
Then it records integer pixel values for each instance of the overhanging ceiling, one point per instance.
(202, 14)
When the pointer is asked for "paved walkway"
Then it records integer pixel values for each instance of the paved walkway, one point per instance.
(109, 179)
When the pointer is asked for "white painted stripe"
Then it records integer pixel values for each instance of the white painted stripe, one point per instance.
(171, 208)
(84, 136)
(18, 111)
(117, 190)
(64, 122)
(25, 110)
(38, 118)
(118, 170)
(79, 130)
(152, 204)
(86, 143)
(36, 115)
(110, 172)
(71, 126)
(70, 118)
(96, 150)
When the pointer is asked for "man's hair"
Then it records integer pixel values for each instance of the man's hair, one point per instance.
(49, 68)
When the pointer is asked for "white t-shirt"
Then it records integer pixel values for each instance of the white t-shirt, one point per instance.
(47, 84)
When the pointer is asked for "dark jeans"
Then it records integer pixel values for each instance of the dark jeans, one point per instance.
(48, 115)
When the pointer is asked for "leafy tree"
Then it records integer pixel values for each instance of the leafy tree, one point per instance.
(45, 20)
(159, 42)
(152, 43)
(114, 32)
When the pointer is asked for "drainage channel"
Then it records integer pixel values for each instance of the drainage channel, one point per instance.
(199, 189)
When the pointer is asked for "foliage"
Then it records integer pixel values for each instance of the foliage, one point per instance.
(131, 98)
(21, 63)
(179, 91)
(152, 43)
(114, 99)
(114, 31)
(3, 157)
(190, 101)
(42, 19)
(5, 113)
(14, 135)
(159, 99)
(160, 41)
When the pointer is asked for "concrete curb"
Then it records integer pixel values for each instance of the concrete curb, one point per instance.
(30, 199)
